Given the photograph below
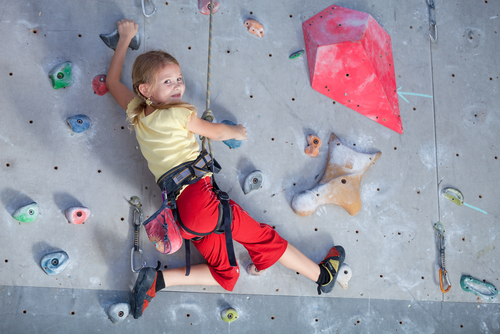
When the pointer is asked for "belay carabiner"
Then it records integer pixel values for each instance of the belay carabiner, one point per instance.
(135, 202)
(443, 274)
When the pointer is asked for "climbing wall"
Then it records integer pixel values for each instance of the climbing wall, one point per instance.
(447, 95)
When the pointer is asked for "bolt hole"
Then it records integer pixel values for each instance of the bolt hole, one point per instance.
(411, 27)
(344, 181)
(480, 196)
(55, 167)
(98, 171)
(378, 189)
(414, 108)
(272, 139)
(418, 192)
(122, 219)
(461, 326)
(270, 55)
(7, 164)
(347, 75)
(400, 322)
(72, 312)
(293, 99)
(357, 232)
(228, 51)
(333, 102)
(453, 75)
(399, 233)
(277, 290)
(79, 35)
(291, 15)
(316, 319)
(395, 148)
(24, 311)
(79, 214)
(11, 74)
(165, 267)
(316, 229)
(458, 155)
(272, 318)
(251, 96)
(381, 276)
(189, 48)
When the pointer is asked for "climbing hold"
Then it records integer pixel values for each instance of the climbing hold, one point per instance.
(79, 123)
(253, 181)
(111, 40)
(253, 271)
(54, 263)
(61, 75)
(457, 197)
(350, 61)
(313, 145)
(27, 213)
(99, 85)
(204, 6)
(232, 143)
(229, 315)
(77, 215)
(479, 288)
(344, 275)
(340, 183)
(296, 54)
(255, 27)
(118, 312)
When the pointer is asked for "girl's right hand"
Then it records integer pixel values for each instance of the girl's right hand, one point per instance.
(127, 29)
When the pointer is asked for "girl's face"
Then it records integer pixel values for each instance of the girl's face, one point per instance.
(169, 85)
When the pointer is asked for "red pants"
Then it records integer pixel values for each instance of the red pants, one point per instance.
(199, 210)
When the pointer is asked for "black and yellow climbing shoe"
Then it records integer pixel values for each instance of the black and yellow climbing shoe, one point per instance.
(330, 266)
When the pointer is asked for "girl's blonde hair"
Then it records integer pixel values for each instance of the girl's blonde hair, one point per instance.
(145, 71)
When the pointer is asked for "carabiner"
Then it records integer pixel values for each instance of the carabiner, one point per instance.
(135, 202)
(432, 22)
(441, 281)
(132, 251)
(144, 8)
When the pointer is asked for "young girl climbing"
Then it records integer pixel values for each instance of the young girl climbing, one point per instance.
(165, 128)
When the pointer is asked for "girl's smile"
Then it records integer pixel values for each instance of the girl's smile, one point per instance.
(169, 86)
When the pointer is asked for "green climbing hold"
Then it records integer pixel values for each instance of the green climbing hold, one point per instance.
(229, 315)
(61, 75)
(296, 54)
(27, 213)
(479, 288)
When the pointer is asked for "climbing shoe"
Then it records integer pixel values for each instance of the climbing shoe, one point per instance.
(331, 265)
(144, 291)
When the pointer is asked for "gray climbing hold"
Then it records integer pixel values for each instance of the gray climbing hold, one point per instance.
(253, 181)
(118, 312)
(111, 40)
(54, 263)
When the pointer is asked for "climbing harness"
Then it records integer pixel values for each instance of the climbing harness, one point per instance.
(135, 202)
(443, 274)
(433, 30)
(479, 288)
(144, 8)
(207, 114)
(188, 173)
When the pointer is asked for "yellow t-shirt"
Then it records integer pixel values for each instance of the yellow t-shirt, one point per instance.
(164, 138)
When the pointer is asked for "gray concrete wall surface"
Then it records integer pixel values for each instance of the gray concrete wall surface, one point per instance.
(450, 119)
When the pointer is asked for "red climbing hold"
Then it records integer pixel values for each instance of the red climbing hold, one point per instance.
(350, 60)
(204, 6)
(77, 215)
(99, 85)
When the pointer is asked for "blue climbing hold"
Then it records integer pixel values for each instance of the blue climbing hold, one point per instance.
(54, 263)
(79, 123)
(232, 143)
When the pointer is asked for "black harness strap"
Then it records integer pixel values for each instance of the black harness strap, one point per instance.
(189, 173)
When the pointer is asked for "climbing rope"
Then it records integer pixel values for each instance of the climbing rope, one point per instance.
(207, 114)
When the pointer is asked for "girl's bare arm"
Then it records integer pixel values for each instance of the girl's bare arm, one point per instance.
(127, 30)
(216, 131)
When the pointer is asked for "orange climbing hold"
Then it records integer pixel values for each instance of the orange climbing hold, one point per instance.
(313, 145)
(77, 215)
(255, 27)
